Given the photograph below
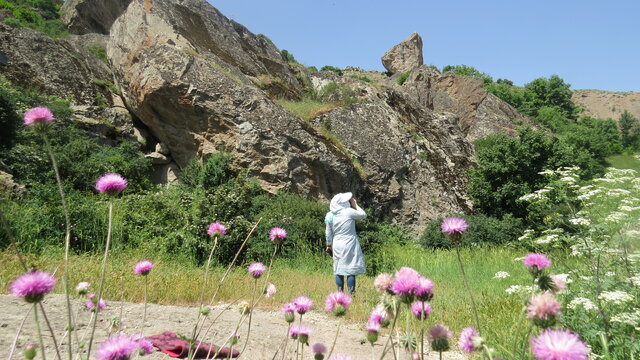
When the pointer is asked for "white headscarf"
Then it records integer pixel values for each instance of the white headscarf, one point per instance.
(340, 201)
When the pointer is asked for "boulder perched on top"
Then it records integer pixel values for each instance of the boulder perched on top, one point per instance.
(92, 16)
(404, 56)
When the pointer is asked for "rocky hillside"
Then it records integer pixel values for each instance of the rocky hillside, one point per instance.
(196, 83)
(607, 104)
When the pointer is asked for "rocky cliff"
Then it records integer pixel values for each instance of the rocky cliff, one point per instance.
(201, 83)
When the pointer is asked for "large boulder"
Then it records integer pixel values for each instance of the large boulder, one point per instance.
(55, 67)
(191, 76)
(92, 16)
(404, 56)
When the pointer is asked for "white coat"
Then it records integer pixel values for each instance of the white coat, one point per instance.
(341, 234)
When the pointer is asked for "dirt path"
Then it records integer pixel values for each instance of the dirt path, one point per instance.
(267, 330)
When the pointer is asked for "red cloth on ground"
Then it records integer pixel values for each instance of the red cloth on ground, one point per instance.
(169, 343)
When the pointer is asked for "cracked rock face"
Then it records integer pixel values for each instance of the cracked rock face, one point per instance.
(56, 67)
(92, 16)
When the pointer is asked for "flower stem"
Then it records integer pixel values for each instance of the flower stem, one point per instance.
(335, 338)
(53, 336)
(205, 280)
(15, 340)
(102, 276)
(466, 282)
(35, 317)
(67, 238)
(144, 316)
(396, 311)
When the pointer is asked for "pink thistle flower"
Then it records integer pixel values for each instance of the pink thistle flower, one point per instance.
(421, 309)
(93, 303)
(559, 345)
(294, 331)
(289, 310)
(302, 304)
(318, 348)
(111, 184)
(558, 283)
(270, 291)
(466, 342)
(373, 326)
(536, 262)
(454, 226)
(338, 302)
(543, 307)
(256, 269)
(379, 314)
(405, 282)
(383, 282)
(82, 288)
(145, 346)
(216, 229)
(424, 290)
(340, 357)
(439, 332)
(143, 267)
(119, 347)
(277, 235)
(32, 286)
(38, 115)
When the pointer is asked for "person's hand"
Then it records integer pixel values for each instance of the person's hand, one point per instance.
(354, 203)
(329, 250)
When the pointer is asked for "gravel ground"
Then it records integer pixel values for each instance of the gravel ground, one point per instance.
(267, 329)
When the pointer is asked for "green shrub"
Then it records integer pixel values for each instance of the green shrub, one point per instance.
(331, 68)
(9, 121)
(483, 230)
(464, 70)
(98, 50)
(403, 77)
(288, 57)
(362, 78)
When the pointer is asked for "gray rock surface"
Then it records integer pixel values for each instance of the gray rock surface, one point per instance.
(56, 67)
(404, 56)
(480, 112)
(92, 16)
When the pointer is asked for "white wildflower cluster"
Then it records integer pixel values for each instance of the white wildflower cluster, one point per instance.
(620, 174)
(629, 318)
(589, 194)
(519, 289)
(635, 280)
(536, 195)
(632, 233)
(563, 277)
(501, 275)
(518, 259)
(616, 216)
(628, 208)
(604, 180)
(568, 179)
(585, 303)
(618, 192)
(580, 221)
(610, 274)
(630, 201)
(528, 234)
(546, 239)
(634, 258)
(547, 172)
(615, 297)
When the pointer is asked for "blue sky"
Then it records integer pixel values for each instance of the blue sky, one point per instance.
(591, 44)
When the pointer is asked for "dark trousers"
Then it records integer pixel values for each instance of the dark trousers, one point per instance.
(351, 283)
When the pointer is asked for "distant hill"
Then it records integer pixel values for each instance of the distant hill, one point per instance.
(607, 104)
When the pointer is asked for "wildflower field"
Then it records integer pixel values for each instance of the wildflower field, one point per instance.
(567, 289)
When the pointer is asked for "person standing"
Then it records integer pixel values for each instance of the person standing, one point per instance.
(342, 241)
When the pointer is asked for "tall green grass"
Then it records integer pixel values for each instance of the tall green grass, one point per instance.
(177, 282)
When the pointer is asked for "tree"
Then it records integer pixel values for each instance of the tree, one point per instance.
(465, 70)
(548, 92)
(508, 168)
(629, 128)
